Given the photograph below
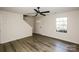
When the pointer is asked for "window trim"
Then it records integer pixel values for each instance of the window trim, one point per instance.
(64, 30)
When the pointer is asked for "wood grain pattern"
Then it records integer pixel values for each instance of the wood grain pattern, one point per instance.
(38, 43)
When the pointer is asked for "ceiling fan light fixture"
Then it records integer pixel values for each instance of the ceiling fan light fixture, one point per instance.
(41, 13)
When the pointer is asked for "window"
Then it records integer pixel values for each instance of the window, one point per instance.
(61, 24)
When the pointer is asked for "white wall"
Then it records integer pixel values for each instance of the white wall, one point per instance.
(30, 21)
(47, 26)
(12, 27)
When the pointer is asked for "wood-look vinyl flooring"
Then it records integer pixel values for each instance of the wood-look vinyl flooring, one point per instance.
(38, 43)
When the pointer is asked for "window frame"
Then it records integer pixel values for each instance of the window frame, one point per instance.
(62, 24)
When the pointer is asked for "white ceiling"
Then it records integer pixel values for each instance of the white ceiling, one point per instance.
(29, 10)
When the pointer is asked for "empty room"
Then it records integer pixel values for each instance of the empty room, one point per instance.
(39, 29)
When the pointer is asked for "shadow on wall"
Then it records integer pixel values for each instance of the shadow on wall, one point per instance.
(30, 20)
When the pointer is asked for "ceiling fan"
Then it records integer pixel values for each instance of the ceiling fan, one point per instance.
(39, 12)
(43, 13)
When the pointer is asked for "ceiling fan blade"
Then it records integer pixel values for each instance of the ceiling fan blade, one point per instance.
(45, 12)
(36, 14)
(36, 10)
(42, 14)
